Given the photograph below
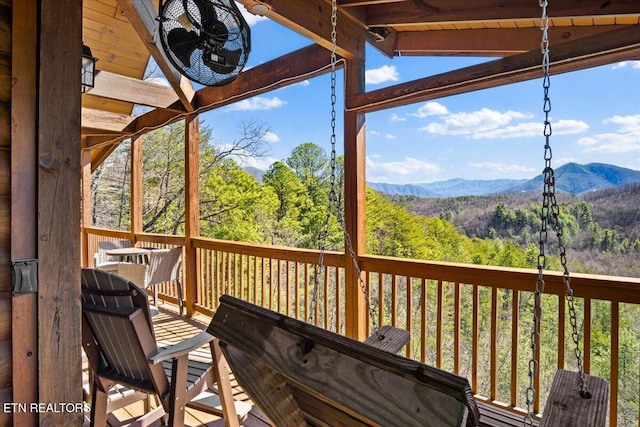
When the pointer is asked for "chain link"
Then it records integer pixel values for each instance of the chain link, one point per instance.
(333, 197)
(550, 209)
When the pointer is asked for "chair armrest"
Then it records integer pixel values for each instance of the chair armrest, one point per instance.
(183, 347)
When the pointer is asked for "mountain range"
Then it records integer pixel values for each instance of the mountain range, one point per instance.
(571, 178)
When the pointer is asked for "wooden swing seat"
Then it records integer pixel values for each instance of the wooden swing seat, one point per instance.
(565, 407)
(301, 375)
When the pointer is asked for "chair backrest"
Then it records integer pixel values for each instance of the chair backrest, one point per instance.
(164, 266)
(102, 257)
(117, 332)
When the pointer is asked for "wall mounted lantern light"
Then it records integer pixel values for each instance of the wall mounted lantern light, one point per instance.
(88, 69)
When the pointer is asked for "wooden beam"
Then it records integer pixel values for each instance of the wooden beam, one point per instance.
(488, 41)
(123, 88)
(142, 15)
(24, 209)
(59, 310)
(103, 120)
(588, 52)
(312, 18)
(464, 11)
(294, 67)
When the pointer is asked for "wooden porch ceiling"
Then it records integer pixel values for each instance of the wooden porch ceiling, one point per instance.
(122, 34)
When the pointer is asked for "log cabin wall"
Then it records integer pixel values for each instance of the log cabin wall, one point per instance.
(5, 212)
(40, 356)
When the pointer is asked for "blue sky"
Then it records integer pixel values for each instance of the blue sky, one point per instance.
(489, 134)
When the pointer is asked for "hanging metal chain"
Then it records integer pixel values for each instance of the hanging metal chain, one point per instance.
(549, 210)
(333, 196)
(319, 272)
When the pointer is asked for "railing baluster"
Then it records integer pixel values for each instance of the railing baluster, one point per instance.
(515, 334)
(287, 289)
(423, 320)
(614, 358)
(475, 337)
(439, 321)
(493, 388)
(325, 296)
(338, 304)
(586, 336)
(456, 328)
(367, 284)
(409, 304)
(561, 328)
(296, 287)
(381, 312)
(306, 291)
(394, 300)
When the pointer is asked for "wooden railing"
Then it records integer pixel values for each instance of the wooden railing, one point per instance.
(471, 320)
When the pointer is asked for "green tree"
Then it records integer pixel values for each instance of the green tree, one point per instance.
(311, 164)
(292, 199)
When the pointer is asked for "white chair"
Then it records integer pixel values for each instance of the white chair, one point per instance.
(164, 266)
(105, 262)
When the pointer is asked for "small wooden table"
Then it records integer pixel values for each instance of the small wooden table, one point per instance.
(139, 255)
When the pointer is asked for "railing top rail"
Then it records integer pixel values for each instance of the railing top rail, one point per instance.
(610, 288)
(310, 256)
(601, 287)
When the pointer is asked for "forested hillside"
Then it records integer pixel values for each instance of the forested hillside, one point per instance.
(602, 228)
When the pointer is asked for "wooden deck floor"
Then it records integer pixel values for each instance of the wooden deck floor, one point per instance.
(169, 326)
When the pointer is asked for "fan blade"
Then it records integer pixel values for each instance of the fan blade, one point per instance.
(182, 43)
(214, 28)
(222, 61)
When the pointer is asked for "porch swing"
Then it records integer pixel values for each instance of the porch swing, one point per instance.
(302, 375)
(575, 398)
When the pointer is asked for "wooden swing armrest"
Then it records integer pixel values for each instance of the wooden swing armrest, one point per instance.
(181, 348)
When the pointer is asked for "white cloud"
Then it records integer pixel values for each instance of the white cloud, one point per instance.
(470, 124)
(627, 123)
(431, 108)
(271, 137)
(304, 83)
(529, 129)
(261, 163)
(380, 75)
(377, 133)
(257, 103)
(624, 140)
(397, 118)
(632, 64)
(407, 170)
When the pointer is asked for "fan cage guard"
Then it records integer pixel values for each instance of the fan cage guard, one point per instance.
(175, 16)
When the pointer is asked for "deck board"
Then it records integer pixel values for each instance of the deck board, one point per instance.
(169, 326)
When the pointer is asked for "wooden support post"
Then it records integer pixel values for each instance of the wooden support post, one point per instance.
(24, 215)
(59, 310)
(354, 200)
(85, 165)
(137, 144)
(192, 215)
